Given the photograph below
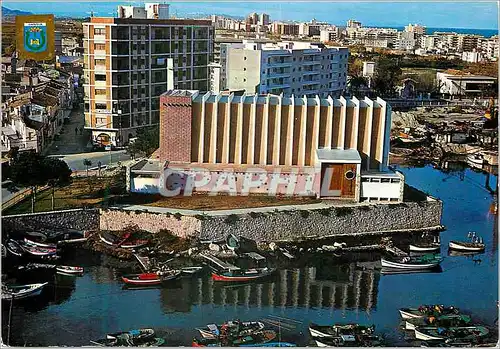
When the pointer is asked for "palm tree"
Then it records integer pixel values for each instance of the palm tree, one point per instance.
(87, 163)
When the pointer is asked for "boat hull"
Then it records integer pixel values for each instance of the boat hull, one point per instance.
(460, 247)
(408, 266)
(427, 337)
(416, 248)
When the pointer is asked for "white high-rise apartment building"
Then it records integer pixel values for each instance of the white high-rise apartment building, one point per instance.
(291, 68)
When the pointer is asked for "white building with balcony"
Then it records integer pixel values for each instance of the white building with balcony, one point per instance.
(288, 68)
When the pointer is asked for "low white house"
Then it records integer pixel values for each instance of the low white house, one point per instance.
(456, 83)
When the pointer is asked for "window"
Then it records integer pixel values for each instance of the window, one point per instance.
(244, 69)
(244, 58)
(101, 47)
(244, 80)
(100, 62)
(100, 106)
(99, 31)
(100, 77)
(100, 92)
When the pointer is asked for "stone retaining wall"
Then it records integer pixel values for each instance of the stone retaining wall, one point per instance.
(179, 225)
(293, 225)
(79, 219)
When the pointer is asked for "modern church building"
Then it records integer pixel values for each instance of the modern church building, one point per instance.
(271, 145)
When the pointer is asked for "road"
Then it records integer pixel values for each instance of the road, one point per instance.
(75, 161)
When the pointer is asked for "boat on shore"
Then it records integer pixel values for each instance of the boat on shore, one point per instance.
(336, 330)
(68, 270)
(242, 275)
(452, 320)
(109, 239)
(134, 243)
(14, 248)
(124, 242)
(465, 333)
(234, 328)
(22, 291)
(427, 310)
(412, 262)
(475, 159)
(38, 251)
(39, 244)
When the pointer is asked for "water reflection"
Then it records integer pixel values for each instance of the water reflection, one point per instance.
(309, 287)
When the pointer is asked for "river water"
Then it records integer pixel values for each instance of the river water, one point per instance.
(73, 311)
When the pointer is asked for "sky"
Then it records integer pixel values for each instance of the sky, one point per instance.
(451, 14)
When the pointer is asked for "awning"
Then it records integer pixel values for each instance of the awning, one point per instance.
(341, 156)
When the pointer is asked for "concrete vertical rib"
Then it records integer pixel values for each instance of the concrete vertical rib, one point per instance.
(239, 132)
(202, 126)
(385, 143)
(329, 123)
(251, 133)
(355, 123)
(289, 133)
(315, 137)
(213, 133)
(264, 126)
(302, 135)
(227, 125)
(343, 113)
(369, 125)
(277, 132)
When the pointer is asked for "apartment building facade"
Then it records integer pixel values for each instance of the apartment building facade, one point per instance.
(130, 62)
(289, 68)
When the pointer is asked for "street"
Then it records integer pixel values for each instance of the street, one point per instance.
(75, 161)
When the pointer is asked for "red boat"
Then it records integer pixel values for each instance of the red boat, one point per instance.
(143, 279)
(239, 275)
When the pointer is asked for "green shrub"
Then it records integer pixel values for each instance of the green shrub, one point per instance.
(231, 219)
(200, 217)
(365, 208)
(304, 213)
(343, 211)
(325, 211)
(177, 216)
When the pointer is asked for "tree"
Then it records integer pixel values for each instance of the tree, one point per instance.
(356, 82)
(87, 163)
(28, 170)
(387, 75)
(147, 141)
(57, 172)
(355, 67)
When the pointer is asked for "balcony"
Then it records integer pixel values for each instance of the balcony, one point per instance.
(310, 62)
(279, 64)
(278, 85)
(310, 72)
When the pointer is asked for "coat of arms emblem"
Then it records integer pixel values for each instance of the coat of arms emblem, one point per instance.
(35, 37)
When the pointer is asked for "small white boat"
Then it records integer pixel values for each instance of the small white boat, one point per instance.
(467, 246)
(412, 263)
(476, 159)
(190, 270)
(23, 291)
(68, 270)
(39, 244)
(434, 247)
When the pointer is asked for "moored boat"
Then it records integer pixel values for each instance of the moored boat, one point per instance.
(242, 275)
(109, 238)
(234, 328)
(134, 338)
(476, 159)
(134, 243)
(150, 279)
(14, 248)
(22, 291)
(412, 262)
(422, 247)
(330, 331)
(466, 246)
(4, 251)
(68, 270)
(349, 341)
(427, 310)
(464, 333)
(38, 251)
(257, 337)
(451, 320)
(270, 344)
(39, 244)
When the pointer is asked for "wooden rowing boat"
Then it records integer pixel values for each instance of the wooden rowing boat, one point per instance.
(467, 246)
(465, 333)
(427, 310)
(336, 330)
(68, 270)
(413, 262)
(242, 275)
(22, 291)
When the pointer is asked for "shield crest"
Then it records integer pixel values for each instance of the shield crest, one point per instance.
(35, 37)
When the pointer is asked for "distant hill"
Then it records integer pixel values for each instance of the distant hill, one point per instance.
(7, 12)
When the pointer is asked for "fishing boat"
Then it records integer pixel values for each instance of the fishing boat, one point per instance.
(39, 244)
(134, 338)
(336, 330)
(191, 270)
(465, 333)
(413, 262)
(14, 248)
(68, 270)
(392, 271)
(475, 159)
(232, 242)
(242, 275)
(425, 247)
(467, 246)
(451, 320)
(257, 337)
(109, 238)
(38, 251)
(150, 279)
(22, 291)
(134, 243)
(427, 310)
(234, 328)
(349, 341)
